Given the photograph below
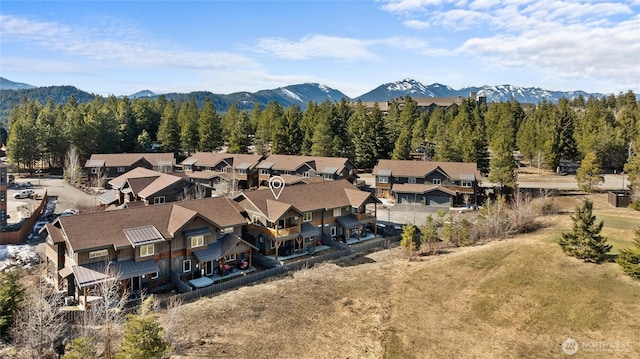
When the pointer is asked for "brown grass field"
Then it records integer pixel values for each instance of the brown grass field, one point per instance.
(516, 298)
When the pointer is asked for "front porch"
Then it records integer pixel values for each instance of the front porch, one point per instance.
(309, 250)
(229, 273)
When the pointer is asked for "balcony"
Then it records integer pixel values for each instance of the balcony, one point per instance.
(277, 233)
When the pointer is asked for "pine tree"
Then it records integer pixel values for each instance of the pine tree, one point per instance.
(239, 140)
(589, 175)
(430, 234)
(169, 131)
(11, 294)
(81, 348)
(585, 241)
(502, 164)
(408, 241)
(209, 128)
(632, 170)
(629, 258)
(188, 118)
(143, 336)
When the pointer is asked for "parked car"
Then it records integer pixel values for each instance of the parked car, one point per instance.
(25, 193)
(68, 212)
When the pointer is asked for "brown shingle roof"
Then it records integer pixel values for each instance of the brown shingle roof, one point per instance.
(100, 229)
(310, 197)
(127, 159)
(211, 159)
(293, 162)
(421, 168)
(137, 172)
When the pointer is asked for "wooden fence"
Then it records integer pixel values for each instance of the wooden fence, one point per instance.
(18, 236)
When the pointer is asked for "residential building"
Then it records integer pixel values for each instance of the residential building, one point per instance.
(223, 172)
(305, 169)
(149, 187)
(111, 165)
(145, 247)
(303, 216)
(445, 184)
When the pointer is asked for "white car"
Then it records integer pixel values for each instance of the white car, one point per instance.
(25, 193)
(68, 212)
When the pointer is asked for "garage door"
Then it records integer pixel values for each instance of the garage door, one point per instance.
(442, 201)
(409, 198)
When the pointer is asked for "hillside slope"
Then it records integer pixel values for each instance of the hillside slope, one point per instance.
(516, 298)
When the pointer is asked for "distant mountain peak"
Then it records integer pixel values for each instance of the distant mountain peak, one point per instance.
(142, 94)
(10, 85)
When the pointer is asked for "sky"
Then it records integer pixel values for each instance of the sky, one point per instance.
(121, 47)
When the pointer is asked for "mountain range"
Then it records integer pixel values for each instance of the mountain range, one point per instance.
(301, 94)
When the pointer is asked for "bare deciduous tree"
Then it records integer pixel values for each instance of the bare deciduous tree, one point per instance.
(40, 322)
(72, 168)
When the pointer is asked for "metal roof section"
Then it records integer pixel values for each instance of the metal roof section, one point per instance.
(329, 170)
(99, 272)
(95, 163)
(265, 165)
(384, 172)
(244, 166)
(467, 176)
(108, 197)
(349, 221)
(309, 230)
(189, 162)
(143, 235)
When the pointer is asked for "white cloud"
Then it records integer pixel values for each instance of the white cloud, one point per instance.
(317, 46)
(340, 48)
(597, 40)
(119, 45)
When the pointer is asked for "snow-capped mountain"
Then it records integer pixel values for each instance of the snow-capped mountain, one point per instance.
(405, 87)
(498, 93)
(301, 94)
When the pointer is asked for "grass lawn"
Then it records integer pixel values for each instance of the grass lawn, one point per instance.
(516, 298)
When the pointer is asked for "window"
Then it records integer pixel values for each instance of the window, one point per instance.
(197, 241)
(146, 250)
(224, 169)
(396, 179)
(227, 230)
(120, 169)
(412, 180)
(383, 179)
(188, 168)
(287, 173)
(98, 254)
(230, 257)
(327, 176)
(465, 183)
(154, 275)
(264, 172)
(437, 181)
(95, 170)
(272, 244)
(334, 231)
(242, 172)
(3, 215)
(337, 212)
(158, 200)
(186, 265)
(307, 216)
(3, 194)
(305, 174)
